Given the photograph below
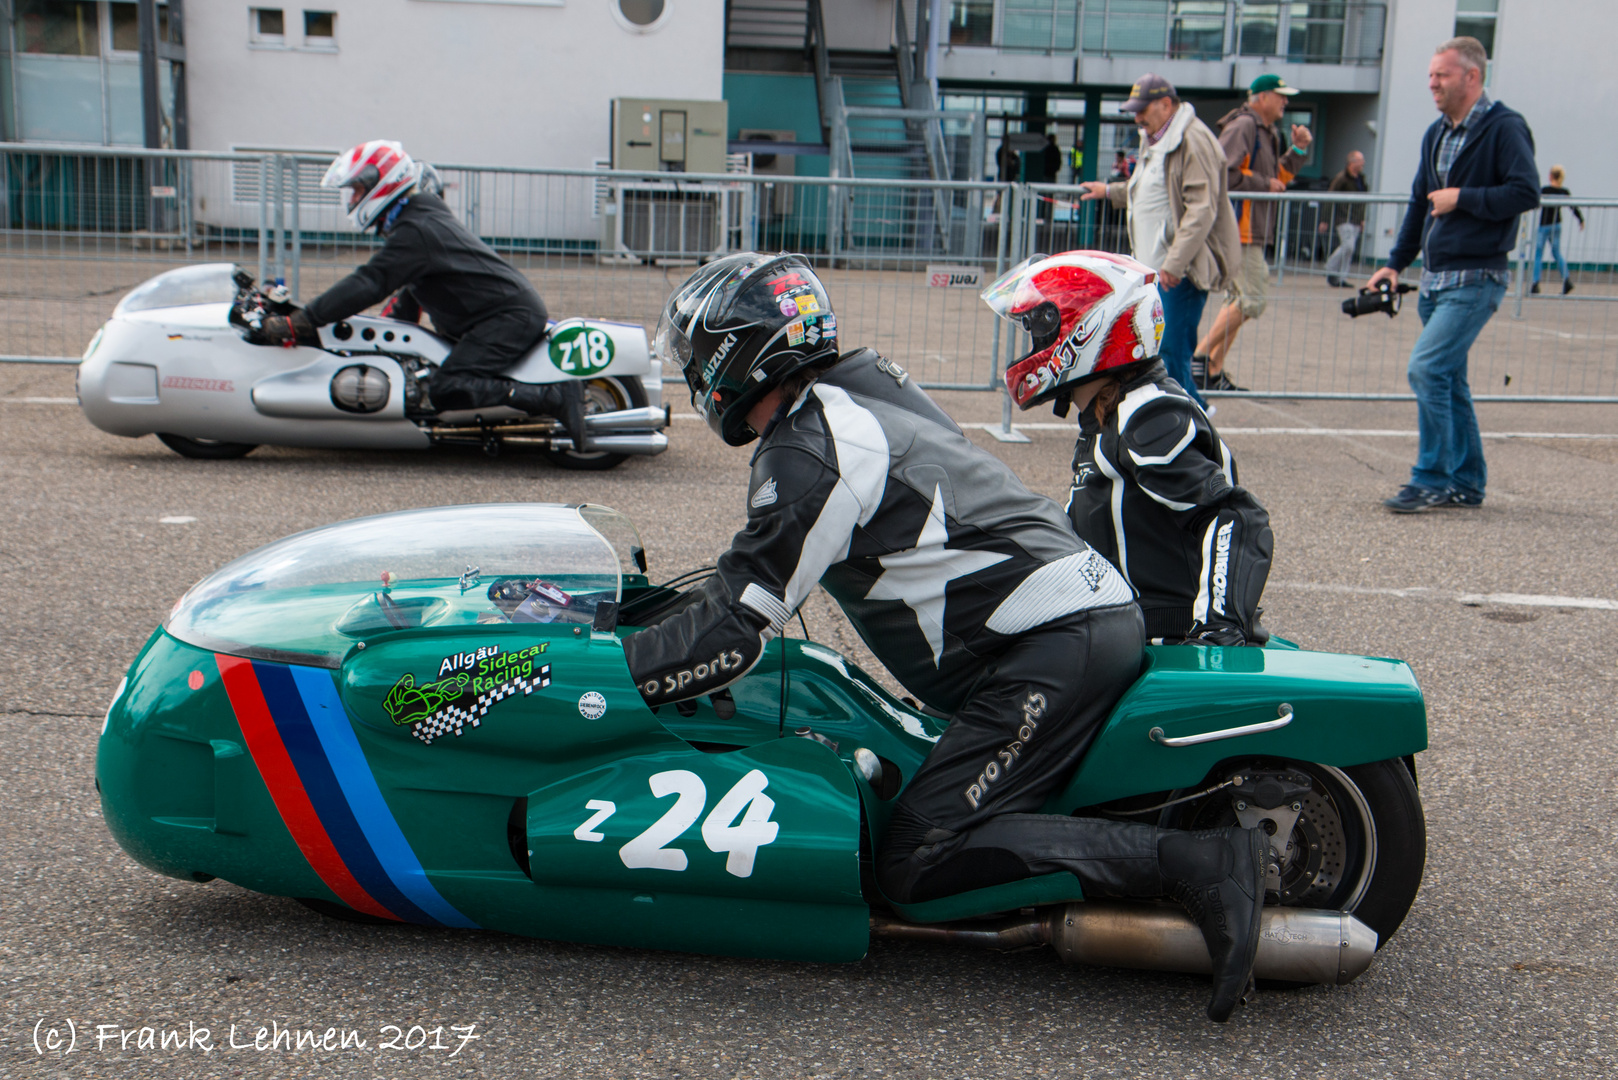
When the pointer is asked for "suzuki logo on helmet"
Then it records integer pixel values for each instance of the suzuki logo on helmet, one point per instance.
(718, 358)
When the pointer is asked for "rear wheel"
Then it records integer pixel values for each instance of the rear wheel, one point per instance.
(602, 394)
(206, 449)
(1358, 840)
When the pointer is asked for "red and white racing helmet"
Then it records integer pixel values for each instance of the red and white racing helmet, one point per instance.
(1088, 312)
(376, 173)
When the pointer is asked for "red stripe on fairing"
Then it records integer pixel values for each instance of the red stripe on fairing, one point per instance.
(281, 778)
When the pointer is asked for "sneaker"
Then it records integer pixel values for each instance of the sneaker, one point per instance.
(1199, 372)
(1534, 288)
(1567, 287)
(1222, 381)
(1334, 281)
(1463, 499)
(1413, 499)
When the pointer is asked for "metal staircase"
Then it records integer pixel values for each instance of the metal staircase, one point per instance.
(880, 119)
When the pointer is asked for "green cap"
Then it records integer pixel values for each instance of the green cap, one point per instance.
(1271, 82)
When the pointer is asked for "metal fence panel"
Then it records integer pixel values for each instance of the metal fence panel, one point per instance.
(1544, 346)
(904, 259)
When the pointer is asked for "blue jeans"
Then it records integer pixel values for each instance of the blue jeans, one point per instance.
(1450, 454)
(1552, 233)
(1182, 311)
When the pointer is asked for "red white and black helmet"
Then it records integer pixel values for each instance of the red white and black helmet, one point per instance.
(1088, 312)
(376, 173)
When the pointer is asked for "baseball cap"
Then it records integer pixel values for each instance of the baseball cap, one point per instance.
(1147, 89)
(1271, 82)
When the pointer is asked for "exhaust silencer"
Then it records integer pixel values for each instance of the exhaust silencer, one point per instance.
(1303, 945)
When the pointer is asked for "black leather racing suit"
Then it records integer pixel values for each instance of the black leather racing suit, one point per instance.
(1155, 490)
(971, 590)
(476, 299)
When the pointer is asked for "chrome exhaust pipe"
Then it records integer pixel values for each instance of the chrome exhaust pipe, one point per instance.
(1303, 945)
(643, 444)
(651, 417)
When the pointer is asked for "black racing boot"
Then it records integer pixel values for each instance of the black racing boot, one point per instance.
(563, 400)
(1217, 875)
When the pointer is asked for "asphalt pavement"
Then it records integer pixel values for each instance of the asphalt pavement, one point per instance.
(1505, 967)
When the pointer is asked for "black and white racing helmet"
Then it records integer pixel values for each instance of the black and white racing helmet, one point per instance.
(740, 325)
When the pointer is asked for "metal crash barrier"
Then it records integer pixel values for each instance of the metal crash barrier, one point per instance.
(904, 258)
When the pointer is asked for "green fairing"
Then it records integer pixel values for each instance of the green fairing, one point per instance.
(1347, 710)
(183, 796)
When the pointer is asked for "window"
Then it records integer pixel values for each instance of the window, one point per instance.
(641, 12)
(58, 27)
(126, 25)
(971, 22)
(320, 29)
(1477, 18)
(268, 26)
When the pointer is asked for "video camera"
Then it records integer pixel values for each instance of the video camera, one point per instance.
(1381, 298)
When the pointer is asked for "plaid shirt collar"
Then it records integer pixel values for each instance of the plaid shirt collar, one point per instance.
(1454, 137)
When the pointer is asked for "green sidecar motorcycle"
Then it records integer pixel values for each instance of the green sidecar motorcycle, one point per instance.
(426, 717)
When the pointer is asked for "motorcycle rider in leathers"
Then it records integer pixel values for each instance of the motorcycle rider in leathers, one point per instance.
(430, 262)
(1155, 489)
(973, 592)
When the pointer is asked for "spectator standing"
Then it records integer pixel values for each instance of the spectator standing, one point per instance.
(1255, 162)
(1051, 160)
(1350, 218)
(1181, 223)
(1120, 168)
(1550, 229)
(1008, 161)
(1476, 176)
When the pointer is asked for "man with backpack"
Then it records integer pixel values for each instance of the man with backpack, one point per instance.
(1254, 161)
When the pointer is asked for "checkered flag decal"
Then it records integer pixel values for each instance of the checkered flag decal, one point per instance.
(456, 718)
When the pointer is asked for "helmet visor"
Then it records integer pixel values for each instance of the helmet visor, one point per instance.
(1014, 290)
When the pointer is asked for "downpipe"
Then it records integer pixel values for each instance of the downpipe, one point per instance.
(1304, 945)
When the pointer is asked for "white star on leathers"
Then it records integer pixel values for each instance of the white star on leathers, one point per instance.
(920, 575)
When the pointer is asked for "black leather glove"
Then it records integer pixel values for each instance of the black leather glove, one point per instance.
(1215, 635)
(289, 330)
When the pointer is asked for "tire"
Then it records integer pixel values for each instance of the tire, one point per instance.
(1361, 826)
(607, 393)
(206, 449)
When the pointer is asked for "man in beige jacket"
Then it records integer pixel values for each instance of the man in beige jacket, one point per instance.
(1181, 223)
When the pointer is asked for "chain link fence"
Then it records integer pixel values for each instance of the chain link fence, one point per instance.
(904, 260)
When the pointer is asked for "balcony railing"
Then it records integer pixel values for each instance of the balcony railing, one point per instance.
(1298, 31)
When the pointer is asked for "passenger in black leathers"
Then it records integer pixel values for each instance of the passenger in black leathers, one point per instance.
(475, 298)
(1155, 490)
(973, 591)
(430, 262)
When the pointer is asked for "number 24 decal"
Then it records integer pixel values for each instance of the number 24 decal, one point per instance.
(720, 831)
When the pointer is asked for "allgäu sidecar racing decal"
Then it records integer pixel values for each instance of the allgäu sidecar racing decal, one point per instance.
(299, 736)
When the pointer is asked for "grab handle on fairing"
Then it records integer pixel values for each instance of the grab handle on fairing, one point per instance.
(1281, 721)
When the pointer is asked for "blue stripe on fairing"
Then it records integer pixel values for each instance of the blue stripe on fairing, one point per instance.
(387, 840)
(303, 746)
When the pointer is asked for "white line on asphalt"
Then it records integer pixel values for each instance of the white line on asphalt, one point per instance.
(1387, 433)
(1360, 433)
(1593, 603)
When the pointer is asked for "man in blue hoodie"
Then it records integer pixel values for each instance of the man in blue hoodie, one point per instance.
(1476, 177)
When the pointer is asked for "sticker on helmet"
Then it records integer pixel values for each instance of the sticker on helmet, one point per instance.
(808, 305)
(787, 281)
(592, 706)
(581, 350)
(795, 333)
(788, 307)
